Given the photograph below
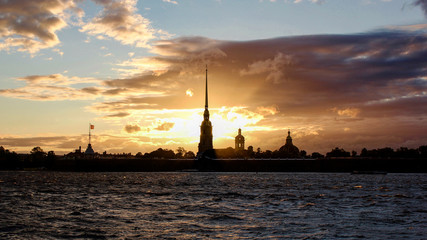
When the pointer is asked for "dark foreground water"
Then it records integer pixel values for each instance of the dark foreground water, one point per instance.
(57, 205)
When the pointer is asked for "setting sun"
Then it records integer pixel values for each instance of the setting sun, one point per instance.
(189, 92)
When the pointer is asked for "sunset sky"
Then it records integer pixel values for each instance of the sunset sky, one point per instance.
(337, 73)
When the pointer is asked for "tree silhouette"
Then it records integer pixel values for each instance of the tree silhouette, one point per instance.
(37, 150)
(251, 152)
(423, 151)
(317, 155)
(404, 152)
(303, 153)
(160, 153)
(9, 160)
(50, 159)
(189, 155)
(338, 152)
(37, 157)
(180, 152)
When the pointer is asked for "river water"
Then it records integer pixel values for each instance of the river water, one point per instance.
(61, 205)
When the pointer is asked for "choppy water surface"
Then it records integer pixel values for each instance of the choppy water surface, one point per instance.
(212, 205)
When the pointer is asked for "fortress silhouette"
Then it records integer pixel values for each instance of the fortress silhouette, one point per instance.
(206, 150)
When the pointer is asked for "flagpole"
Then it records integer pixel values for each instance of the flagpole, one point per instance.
(89, 132)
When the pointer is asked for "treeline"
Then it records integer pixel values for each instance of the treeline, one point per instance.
(229, 153)
(38, 158)
(161, 153)
(384, 153)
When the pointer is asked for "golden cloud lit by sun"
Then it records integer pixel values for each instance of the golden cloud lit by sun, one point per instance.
(347, 112)
(189, 92)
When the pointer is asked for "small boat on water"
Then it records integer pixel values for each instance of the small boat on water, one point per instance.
(369, 172)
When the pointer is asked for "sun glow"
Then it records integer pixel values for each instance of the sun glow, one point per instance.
(189, 92)
(182, 127)
(226, 121)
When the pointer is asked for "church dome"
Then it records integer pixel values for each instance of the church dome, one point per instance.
(289, 150)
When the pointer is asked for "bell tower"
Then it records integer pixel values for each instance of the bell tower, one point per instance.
(239, 141)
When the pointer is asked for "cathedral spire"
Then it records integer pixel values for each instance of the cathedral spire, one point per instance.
(206, 113)
(289, 138)
(206, 127)
(206, 94)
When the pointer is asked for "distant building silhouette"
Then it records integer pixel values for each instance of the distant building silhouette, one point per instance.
(239, 141)
(289, 150)
(206, 127)
(89, 149)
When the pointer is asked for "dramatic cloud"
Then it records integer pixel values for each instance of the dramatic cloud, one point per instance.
(353, 71)
(355, 91)
(324, 85)
(274, 67)
(119, 20)
(32, 25)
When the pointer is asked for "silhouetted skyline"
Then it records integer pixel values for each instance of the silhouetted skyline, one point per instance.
(349, 75)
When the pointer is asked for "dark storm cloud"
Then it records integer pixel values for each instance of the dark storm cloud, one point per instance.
(302, 75)
(352, 89)
(349, 70)
(406, 106)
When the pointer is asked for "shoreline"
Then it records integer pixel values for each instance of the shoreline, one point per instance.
(350, 165)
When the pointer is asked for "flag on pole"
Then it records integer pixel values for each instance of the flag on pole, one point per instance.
(92, 126)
